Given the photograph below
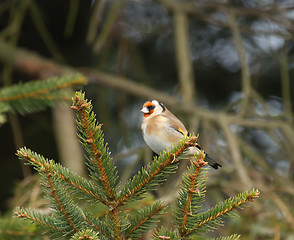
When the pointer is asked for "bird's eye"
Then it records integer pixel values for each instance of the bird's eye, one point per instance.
(151, 107)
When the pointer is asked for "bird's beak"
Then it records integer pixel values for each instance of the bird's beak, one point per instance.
(144, 110)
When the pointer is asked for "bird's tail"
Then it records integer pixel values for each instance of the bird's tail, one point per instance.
(211, 162)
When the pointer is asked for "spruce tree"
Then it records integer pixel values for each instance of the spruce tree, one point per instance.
(65, 189)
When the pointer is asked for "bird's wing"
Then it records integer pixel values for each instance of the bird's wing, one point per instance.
(175, 126)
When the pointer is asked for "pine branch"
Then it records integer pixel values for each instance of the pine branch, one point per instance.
(232, 237)
(87, 189)
(13, 228)
(71, 215)
(101, 166)
(70, 211)
(144, 220)
(37, 95)
(211, 218)
(37, 217)
(116, 226)
(86, 235)
(191, 196)
(98, 225)
(77, 183)
(165, 234)
(155, 173)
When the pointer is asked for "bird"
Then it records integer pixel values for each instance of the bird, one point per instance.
(161, 129)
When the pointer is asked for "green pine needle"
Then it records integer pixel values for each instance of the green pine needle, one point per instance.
(164, 233)
(85, 188)
(191, 197)
(155, 173)
(102, 226)
(87, 234)
(37, 218)
(69, 215)
(101, 165)
(211, 219)
(37, 95)
(144, 220)
(232, 237)
(13, 228)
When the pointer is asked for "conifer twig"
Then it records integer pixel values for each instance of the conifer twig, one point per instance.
(23, 213)
(143, 221)
(99, 161)
(214, 214)
(78, 186)
(55, 196)
(43, 89)
(83, 108)
(45, 168)
(148, 174)
(113, 214)
(98, 228)
(199, 164)
(36, 95)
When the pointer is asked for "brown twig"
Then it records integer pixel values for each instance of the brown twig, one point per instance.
(46, 169)
(38, 66)
(248, 198)
(97, 228)
(74, 184)
(82, 107)
(199, 164)
(157, 171)
(28, 216)
(144, 220)
(39, 94)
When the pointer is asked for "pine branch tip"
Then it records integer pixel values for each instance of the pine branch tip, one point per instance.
(254, 194)
(19, 215)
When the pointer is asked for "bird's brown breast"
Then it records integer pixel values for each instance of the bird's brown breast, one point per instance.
(161, 128)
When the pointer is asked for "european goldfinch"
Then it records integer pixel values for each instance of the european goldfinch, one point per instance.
(161, 129)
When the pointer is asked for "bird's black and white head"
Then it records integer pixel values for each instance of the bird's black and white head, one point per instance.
(152, 108)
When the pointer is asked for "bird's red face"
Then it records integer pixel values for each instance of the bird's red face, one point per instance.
(148, 108)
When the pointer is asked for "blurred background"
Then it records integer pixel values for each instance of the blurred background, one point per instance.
(225, 68)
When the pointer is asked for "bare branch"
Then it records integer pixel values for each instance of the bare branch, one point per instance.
(185, 69)
(246, 81)
(235, 152)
